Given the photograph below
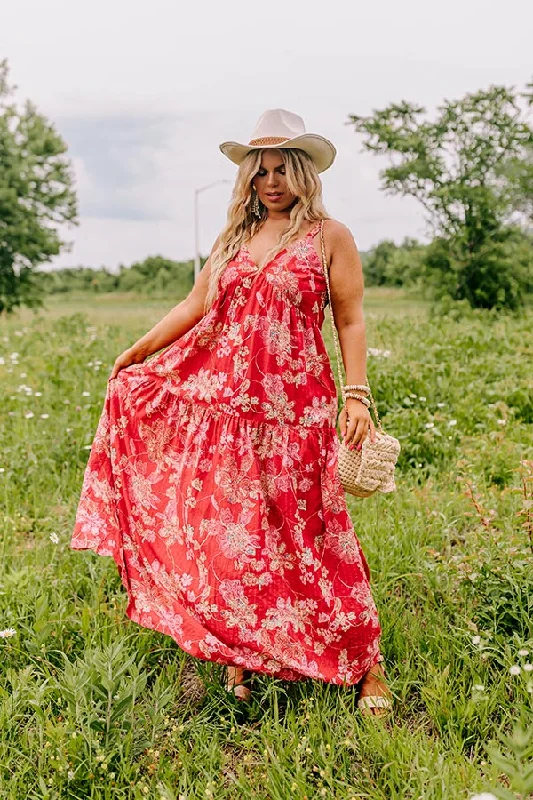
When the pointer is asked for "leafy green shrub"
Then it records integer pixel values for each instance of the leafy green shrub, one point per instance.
(495, 275)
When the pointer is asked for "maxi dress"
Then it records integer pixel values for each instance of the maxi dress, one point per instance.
(212, 482)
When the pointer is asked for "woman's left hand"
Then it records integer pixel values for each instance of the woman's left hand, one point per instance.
(355, 422)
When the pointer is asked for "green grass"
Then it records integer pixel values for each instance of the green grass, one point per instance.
(93, 705)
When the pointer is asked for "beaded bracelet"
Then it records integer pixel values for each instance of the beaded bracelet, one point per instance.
(360, 397)
(360, 386)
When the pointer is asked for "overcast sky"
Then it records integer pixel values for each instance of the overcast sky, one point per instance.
(144, 92)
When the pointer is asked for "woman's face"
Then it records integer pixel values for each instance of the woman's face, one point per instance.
(271, 184)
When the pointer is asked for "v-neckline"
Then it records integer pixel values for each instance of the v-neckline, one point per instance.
(271, 260)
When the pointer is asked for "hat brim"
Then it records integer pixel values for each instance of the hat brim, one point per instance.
(321, 150)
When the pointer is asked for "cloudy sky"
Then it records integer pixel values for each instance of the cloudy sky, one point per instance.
(144, 92)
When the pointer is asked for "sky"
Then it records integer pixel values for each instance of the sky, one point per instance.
(143, 93)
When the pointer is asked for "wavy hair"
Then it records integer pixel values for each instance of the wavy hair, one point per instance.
(303, 182)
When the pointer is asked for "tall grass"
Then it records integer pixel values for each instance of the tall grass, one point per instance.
(93, 705)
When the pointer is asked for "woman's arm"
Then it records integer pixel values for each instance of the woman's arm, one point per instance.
(175, 324)
(347, 288)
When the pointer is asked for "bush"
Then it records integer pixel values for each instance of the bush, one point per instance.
(496, 275)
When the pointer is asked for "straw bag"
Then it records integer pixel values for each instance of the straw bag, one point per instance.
(371, 469)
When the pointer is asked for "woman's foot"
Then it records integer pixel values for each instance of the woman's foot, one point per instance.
(375, 697)
(236, 679)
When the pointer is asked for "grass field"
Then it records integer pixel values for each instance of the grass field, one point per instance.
(93, 705)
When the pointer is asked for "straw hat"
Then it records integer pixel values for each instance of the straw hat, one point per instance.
(281, 129)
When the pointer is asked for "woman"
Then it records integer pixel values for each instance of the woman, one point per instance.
(212, 478)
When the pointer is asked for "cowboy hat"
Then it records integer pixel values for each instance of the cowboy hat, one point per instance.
(281, 129)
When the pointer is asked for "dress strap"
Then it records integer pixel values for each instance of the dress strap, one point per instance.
(314, 230)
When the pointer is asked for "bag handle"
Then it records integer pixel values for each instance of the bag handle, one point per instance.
(334, 331)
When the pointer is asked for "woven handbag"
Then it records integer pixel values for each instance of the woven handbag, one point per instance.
(371, 469)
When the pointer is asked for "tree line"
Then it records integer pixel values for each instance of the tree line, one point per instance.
(153, 275)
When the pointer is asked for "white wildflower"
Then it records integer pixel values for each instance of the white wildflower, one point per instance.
(375, 351)
(7, 632)
(54, 538)
(422, 399)
(29, 414)
(2, 469)
(38, 394)
(528, 667)
(45, 416)
(476, 639)
(479, 687)
(516, 669)
(85, 394)
(501, 421)
(484, 796)
(452, 422)
(523, 652)
(2, 360)
(441, 405)
(14, 356)
(86, 446)
(430, 424)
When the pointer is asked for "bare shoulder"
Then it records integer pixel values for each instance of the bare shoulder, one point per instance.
(338, 234)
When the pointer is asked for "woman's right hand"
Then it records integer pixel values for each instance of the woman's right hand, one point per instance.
(125, 359)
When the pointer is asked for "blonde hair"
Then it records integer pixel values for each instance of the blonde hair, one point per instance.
(241, 224)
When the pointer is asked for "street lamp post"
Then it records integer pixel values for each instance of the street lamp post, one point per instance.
(197, 223)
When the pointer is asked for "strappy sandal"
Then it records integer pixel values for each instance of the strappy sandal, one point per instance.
(240, 690)
(376, 700)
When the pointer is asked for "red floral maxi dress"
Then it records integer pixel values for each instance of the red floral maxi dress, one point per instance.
(212, 481)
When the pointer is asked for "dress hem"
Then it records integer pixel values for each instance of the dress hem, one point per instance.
(287, 674)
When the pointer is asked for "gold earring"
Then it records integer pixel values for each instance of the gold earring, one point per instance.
(255, 203)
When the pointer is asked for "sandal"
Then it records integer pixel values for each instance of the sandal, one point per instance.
(238, 688)
(369, 701)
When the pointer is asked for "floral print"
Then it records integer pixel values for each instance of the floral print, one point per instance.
(212, 481)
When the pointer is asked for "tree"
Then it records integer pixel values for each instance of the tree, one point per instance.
(378, 260)
(518, 176)
(455, 167)
(517, 173)
(389, 264)
(36, 197)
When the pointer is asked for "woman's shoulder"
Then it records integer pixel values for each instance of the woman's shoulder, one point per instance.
(337, 232)
(336, 228)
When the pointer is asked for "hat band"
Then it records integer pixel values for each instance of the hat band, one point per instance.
(268, 140)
